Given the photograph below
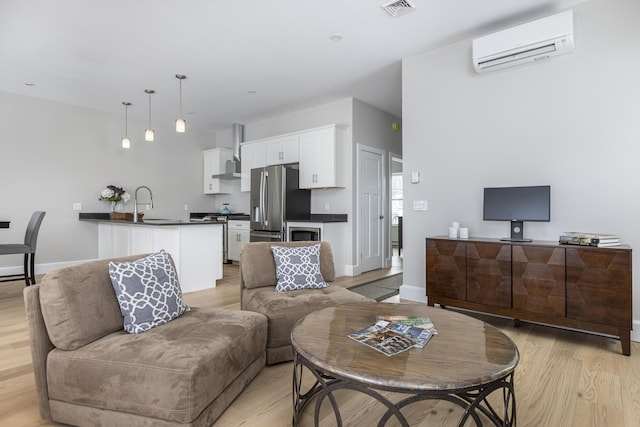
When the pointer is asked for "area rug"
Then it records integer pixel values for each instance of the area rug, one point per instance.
(380, 289)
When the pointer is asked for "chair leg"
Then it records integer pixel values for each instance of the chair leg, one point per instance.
(26, 269)
(32, 271)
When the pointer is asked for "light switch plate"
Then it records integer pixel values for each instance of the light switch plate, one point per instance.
(77, 206)
(419, 205)
(415, 177)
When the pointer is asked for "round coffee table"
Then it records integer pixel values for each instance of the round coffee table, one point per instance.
(464, 363)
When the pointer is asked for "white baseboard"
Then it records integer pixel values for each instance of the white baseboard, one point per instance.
(41, 268)
(635, 333)
(413, 293)
(351, 270)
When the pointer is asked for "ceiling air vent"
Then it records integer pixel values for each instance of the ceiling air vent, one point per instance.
(398, 7)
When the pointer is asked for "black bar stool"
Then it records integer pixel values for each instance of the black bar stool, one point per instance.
(28, 249)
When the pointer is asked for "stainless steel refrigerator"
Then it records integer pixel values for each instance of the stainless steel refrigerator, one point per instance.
(275, 199)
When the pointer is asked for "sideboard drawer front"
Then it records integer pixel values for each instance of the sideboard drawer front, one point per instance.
(599, 286)
(446, 269)
(489, 274)
(539, 279)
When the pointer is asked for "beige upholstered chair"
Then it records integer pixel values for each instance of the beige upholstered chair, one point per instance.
(88, 371)
(283, 309)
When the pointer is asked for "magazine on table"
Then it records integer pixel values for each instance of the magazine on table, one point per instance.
(420, 335)
(420, 322)
(384, 338)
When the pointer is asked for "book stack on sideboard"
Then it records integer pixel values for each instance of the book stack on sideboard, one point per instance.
(589, 239)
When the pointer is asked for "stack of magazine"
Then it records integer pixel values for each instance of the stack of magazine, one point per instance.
(589, 239)
(394, 334)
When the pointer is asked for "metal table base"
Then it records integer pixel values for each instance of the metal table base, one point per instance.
(472, 400)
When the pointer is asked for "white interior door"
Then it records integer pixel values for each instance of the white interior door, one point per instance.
(371, 213)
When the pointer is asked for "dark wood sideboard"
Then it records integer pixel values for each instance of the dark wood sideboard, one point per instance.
(578, 287)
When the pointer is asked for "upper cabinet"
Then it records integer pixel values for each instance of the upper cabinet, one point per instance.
(316, 151)
(319, 160)
(282, 150)
(252, 155)
(214, 165)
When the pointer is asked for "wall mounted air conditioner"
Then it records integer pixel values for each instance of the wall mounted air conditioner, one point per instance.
(533, 41)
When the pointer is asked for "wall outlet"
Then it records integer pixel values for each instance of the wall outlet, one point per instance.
(77, 206)
(327, 207)
(186, 207)
(419, 205)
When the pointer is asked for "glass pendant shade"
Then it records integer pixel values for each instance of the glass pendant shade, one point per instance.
(126, 142)
(181, 125)
(149, 134)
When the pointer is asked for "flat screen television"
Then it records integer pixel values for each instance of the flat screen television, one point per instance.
(517, 204)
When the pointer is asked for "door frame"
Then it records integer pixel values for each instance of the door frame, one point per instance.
(385, 236)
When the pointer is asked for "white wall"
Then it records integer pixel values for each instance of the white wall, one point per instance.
(571, 122)
(373, 128)
(53, 154)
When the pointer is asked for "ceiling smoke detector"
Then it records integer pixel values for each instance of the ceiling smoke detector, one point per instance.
(398, 7)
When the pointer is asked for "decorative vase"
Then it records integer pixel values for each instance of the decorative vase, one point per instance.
(113, 206)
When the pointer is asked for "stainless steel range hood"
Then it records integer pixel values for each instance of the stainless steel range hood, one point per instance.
(233, 167)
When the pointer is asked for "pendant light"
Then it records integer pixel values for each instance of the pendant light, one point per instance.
(149, 133)
(181, 124)
(126, 142)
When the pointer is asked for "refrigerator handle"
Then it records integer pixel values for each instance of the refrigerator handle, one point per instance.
(260, 217)
(265, 198)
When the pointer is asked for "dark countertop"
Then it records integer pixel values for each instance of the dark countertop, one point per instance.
(105, 217)
(230, 216)
(323, 218)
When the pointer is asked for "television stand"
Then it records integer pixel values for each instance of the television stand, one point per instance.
(576, 287)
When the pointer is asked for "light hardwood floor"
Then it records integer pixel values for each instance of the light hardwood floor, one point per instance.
(564, 378)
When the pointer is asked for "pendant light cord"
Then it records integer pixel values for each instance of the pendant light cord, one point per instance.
(126, 109)
(181, 98)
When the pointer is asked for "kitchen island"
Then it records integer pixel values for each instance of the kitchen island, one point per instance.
(195, 246)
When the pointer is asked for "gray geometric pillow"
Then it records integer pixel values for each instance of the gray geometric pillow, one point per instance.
(298, 268)
(148, 292)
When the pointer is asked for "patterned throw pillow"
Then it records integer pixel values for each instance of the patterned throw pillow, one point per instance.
(148, 292)
(298, 268)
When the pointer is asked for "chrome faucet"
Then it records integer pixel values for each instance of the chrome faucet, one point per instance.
(135, 204)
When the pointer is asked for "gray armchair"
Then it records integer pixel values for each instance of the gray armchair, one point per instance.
(283, 309)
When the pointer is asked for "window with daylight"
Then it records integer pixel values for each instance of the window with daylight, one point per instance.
(396, 197)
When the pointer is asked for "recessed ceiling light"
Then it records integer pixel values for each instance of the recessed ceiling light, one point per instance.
(29, 84)
(252, 92)
(336, 37)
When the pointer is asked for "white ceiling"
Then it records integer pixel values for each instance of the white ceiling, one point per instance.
(98, 53)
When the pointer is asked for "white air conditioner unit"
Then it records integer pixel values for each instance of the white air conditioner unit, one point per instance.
(533, 41)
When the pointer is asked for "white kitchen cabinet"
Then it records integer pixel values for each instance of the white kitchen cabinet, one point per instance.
(214, 164)
(253, 155)
(319, 159)
(196, 249)
(238, 236)
(283, 150)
